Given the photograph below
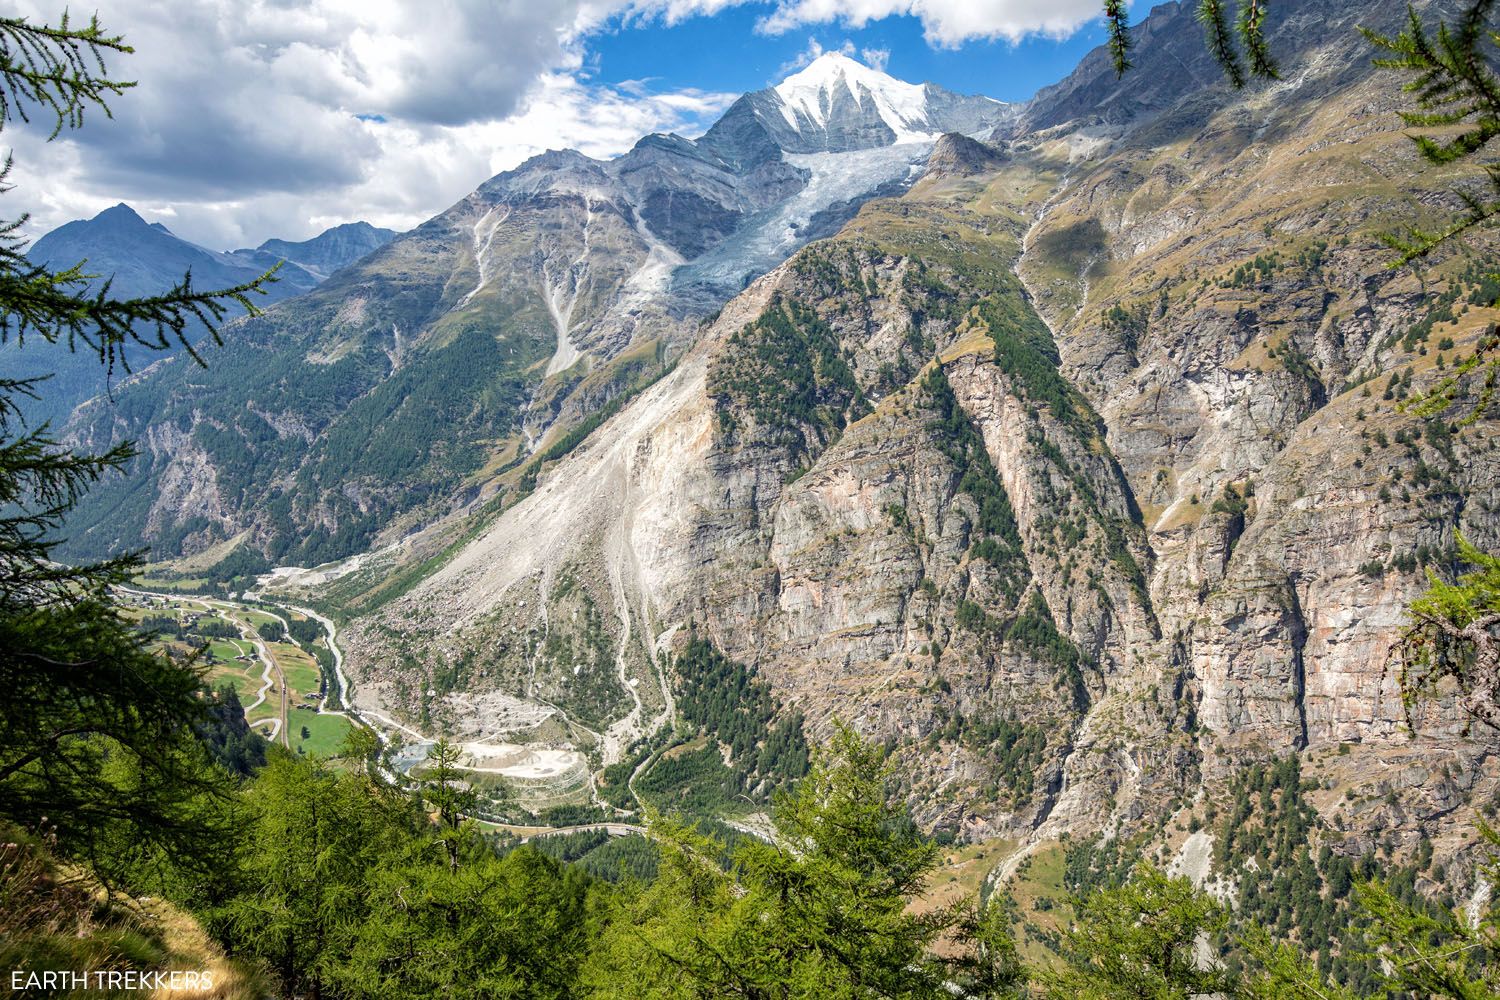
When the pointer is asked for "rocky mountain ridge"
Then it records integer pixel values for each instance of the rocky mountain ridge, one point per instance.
(1079, 476)
(490, 332)
(330, 250)
(139, 259)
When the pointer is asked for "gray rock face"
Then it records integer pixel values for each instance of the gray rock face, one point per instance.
(330, 250)
(957, 155)
(1171, 532)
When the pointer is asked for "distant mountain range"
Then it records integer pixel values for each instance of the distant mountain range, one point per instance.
(142, 258)
(1066, 455)
(325, 253)
(496, 326)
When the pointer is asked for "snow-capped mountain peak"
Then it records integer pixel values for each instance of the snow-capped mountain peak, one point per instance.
(813, 92)
(836, 103)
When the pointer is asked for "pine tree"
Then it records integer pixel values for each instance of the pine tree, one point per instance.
(1434, 955)
(1138, 942)
(1285, 973)
(303, 862)
(97, 733)
(1455, 633)
(823, 911)
(495, 927)
(1457, 91)
(448, 794)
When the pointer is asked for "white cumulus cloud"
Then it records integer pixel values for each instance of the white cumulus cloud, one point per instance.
(260, 118)
(944, 22)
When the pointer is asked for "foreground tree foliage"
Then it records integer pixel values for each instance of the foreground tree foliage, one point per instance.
(1455, 626)
(98, 740)
(1140, 941)
(343, 887)
(822, 911)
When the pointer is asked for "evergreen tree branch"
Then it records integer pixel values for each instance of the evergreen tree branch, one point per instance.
(48, 304)
(1251, 25)
(59, 70)
(1455, 633)
(1117, 20)
(1215, 21)
(99, 739)
(1454, 85)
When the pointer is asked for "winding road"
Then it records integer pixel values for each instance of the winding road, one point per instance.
(271, 675)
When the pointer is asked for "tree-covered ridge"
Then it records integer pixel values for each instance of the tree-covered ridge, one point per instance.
(785, 377)
(334, 884)
(1297, 888)
(1035, 632)
(803, 370)
(392, 438)
(239, 749)
(733, 746)
(1025, 350)
(723, 699)
(1286, 884)
(997, 539)
(1015, 750)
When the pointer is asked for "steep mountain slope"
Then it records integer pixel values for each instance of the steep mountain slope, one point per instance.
(406, 385)
(1063, 472)
(1218, 294)
(141, 258)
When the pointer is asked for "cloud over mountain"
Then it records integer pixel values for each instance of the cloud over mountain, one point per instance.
(262, 117)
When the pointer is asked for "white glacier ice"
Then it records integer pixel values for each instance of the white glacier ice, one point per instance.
(771, 237)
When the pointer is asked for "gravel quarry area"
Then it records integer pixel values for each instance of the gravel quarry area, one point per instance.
(513, 761)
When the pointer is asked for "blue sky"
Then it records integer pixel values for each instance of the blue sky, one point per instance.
(726, 52)
(254, 120)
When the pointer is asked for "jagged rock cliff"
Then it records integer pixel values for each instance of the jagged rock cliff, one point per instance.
(1079, 477)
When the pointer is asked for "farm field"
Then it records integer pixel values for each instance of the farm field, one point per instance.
(325, 732)
(228, 640)
(300, 670)
(243, 674)
(290, 704)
